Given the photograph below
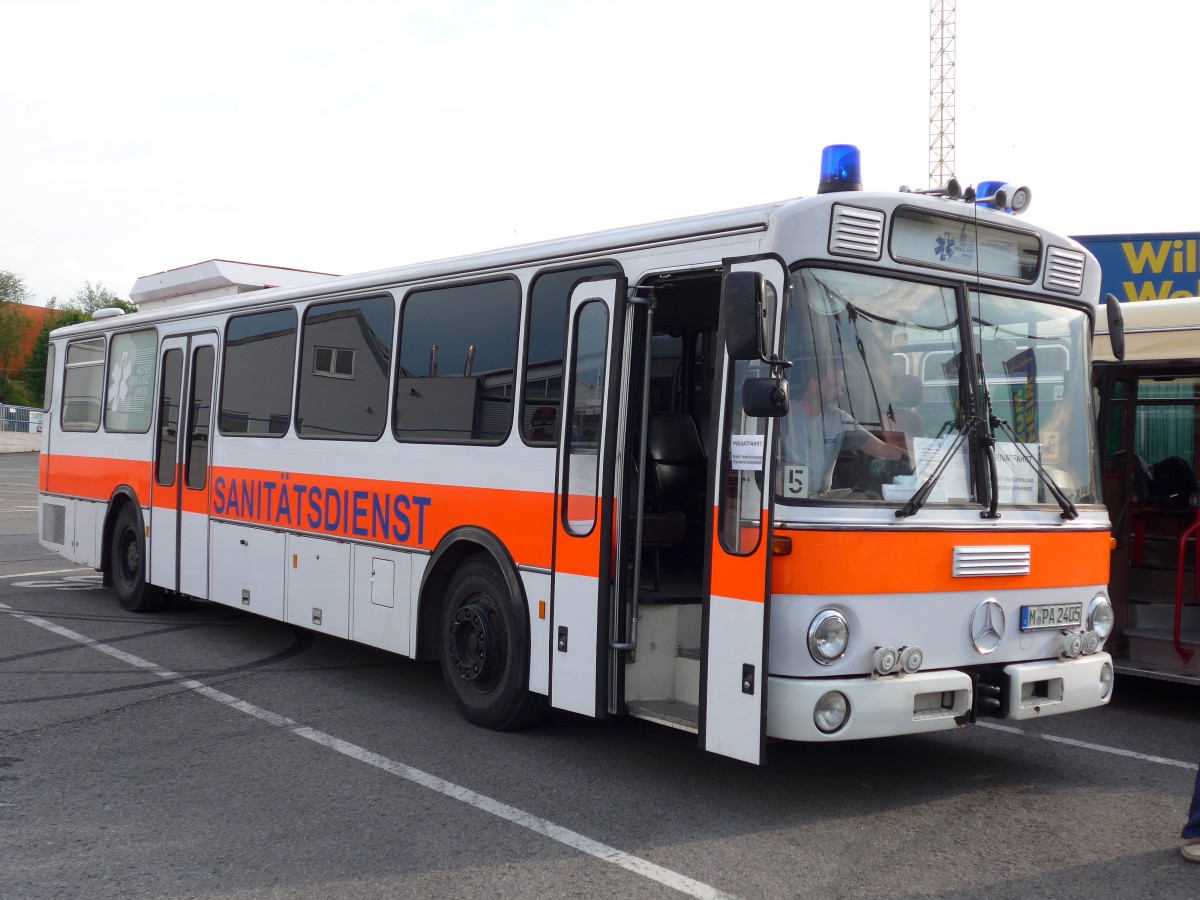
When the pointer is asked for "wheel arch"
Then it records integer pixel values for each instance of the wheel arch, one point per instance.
(451, 552)
(123, 495)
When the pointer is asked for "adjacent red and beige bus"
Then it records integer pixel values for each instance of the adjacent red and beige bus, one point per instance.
(578, 472)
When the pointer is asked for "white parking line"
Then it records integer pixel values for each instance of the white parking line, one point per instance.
(536, 824)
(1115, 751)
(51, 572)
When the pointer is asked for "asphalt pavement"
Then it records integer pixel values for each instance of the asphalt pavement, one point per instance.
(203, 752)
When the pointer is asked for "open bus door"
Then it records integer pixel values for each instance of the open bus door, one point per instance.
(179, 494)
(584, 524)
(733, 678)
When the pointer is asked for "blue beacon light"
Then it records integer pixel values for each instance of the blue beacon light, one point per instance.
(841, 169)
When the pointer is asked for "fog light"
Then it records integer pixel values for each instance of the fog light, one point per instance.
(1072, 644)
(911, 659)
(1091, 643)
(1106, 681)
(886, 660)
(831, 712)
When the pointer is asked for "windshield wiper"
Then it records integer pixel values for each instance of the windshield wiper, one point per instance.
(1069, 511)
(921, 495)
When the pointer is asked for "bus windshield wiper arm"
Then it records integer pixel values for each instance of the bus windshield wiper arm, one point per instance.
(1068, 508)
(921, 495)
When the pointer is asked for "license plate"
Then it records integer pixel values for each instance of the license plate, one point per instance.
(1051, 615)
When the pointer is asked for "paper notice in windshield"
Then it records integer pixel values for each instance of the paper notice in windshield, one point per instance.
(954, 483)
(1016, 478)
(747, 451)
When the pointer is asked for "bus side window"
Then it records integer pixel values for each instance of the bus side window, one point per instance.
(541, 398)
(346, 357)
(457, 357)
(256, 377)
(83, 381)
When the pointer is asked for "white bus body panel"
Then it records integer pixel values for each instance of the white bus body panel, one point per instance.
(382, 591)
(318, 584)
(247, 569)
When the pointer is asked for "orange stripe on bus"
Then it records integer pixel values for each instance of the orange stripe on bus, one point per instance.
(95, 478)
(870, 562)
(399, 513)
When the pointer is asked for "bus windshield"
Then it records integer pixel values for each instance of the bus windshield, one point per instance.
(881, 395)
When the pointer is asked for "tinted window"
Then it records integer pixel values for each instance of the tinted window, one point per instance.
(196, 455)
(458, 347)
(82, 383)
(131, 359)
(48, 390)
(542, 399)
(168, 417)
(256, 379)
(587, 403)
(344, 363)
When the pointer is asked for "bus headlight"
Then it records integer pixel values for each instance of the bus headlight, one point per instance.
(1106, 681)
(831, 712)
(1100, 618)
(828, 636)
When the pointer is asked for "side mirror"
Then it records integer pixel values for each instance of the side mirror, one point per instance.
(744, 314)
(1116, 326)
(766, 397)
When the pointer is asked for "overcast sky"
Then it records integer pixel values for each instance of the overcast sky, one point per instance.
(355, 135)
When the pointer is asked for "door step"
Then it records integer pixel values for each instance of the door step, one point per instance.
(672, 713)
(1159, 673)
(1153, 650)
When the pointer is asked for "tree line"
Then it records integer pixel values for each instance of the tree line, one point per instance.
(23, 385)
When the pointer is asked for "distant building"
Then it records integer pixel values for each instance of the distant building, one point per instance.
(38, 316)
(213, 278)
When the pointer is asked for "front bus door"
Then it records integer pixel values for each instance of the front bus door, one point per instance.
(179, 514)
(583, 531)
(733, 679)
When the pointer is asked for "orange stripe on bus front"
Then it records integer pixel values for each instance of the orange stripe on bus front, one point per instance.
(872, 562)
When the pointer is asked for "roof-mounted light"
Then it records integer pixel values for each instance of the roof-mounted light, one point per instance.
(841, 169)
(1003, 196)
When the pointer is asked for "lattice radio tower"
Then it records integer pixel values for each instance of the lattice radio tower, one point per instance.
(941, 92)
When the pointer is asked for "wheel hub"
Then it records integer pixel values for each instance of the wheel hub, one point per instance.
(474, 644)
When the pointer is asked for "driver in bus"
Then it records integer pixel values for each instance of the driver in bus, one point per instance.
(817, 429)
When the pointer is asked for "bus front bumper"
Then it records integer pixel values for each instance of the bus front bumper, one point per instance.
(934, 701)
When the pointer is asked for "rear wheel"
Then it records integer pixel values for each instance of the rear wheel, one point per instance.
(485, 650)
(128, 564)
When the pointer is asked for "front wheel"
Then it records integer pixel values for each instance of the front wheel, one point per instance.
(128, 564)
(485, 650)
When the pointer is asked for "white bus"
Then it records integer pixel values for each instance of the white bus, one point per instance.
(1149, 403)
(574, 472)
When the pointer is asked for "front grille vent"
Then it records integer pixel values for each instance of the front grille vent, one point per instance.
(856, 232)
(975, 562)
(1064, 271)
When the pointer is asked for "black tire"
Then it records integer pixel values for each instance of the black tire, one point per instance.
(484, 650)
(127, 562)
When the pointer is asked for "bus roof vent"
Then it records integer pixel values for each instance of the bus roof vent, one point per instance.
(856, 232)
(1064, 271)
(108, 312)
